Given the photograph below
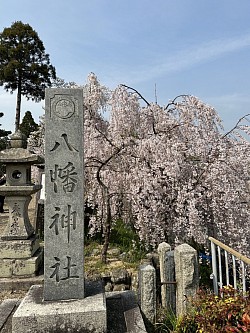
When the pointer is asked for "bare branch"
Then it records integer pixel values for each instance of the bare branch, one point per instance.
(237, 124)
(148, 104)
(173, 102)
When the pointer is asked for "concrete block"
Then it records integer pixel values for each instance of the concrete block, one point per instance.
(123, 313)
(132, 313)
(134, 321)
(86, 315)
(24, 267)
(18, 248)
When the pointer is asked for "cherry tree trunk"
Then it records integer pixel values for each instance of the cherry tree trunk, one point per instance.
(106, 233)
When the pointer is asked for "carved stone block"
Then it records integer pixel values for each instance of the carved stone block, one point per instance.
(18, 248)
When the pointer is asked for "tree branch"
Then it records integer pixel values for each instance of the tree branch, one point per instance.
(124, 85)
(173, 101)
(238, 122)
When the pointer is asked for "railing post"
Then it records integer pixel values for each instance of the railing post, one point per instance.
(220, 267)
(227, 268)
(234, 272)
(243, 278)
(216, 247)
(214, 268)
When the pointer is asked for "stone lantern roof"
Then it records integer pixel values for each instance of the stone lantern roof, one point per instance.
(17, 153)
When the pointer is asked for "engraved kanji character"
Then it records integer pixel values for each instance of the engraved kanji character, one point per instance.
(68, 268)
(56, 221)
(66, 175)
(65, 137)
(65, 220)
(56, 271)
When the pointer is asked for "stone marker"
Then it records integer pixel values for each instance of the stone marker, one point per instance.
(187, 276)
(65, 304)
(162, 250)
(64, 208)
(167, 275)
(147, 292)
(171, 286)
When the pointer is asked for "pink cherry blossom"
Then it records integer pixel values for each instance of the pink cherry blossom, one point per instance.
(169, 171)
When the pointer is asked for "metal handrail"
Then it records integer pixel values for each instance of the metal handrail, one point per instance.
(230, 250)
(243, 260)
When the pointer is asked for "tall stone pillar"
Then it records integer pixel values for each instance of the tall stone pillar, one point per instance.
(187, 276)
(147, 293)
(167, 275)
(63, 306)
(64, 203)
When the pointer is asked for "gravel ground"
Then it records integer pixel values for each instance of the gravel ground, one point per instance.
(12, 294)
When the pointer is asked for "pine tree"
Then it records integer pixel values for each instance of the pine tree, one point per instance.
(3, 136)
(28, 124)
(24, 65)
(3, 143)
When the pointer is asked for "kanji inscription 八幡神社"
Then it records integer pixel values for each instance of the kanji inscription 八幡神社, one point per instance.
(64, 205)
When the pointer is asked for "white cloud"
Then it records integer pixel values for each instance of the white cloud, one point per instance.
(191, 56)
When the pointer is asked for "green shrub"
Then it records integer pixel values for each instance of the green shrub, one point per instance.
(126, 239)
(123, 235)
(229, 312)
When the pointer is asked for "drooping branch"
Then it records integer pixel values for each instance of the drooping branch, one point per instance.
(236, 126)
(173, 102)
(105, 137)
(98, 173)
(124, 85)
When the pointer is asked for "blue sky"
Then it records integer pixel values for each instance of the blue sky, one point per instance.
(196, 47)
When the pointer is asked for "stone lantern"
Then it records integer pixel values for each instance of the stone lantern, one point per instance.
(18, 240)
(18, 188)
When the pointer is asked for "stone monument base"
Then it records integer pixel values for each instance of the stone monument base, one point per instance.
(19, 258)
(86, 315)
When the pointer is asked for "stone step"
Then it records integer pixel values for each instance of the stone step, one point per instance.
(132, 313)
(6, 309)
(20, 283)
(115, 314)
(123, 313)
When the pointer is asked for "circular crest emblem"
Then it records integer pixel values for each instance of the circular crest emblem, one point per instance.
(64, 108)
